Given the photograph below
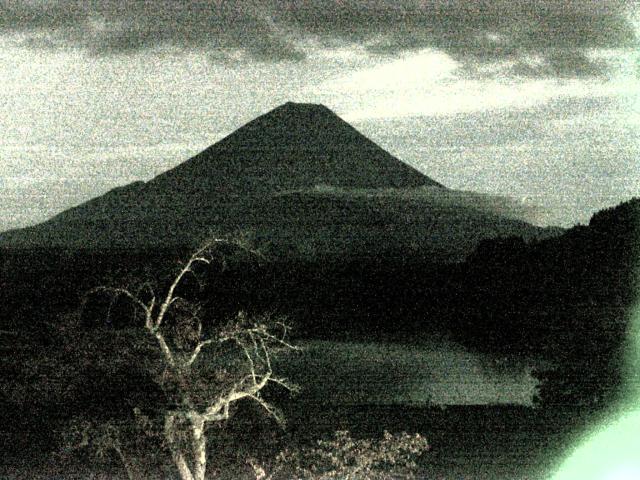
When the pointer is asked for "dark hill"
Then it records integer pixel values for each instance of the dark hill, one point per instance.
(572, 299)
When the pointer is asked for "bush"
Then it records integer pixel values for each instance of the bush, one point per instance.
(394, 456)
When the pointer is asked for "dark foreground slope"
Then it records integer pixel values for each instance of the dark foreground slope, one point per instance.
(568, 299)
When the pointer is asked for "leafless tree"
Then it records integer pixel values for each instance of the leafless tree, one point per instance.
(204, 371)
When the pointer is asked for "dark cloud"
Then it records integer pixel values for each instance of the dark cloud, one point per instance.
(122, 26)
(273, 30)
(561, 64)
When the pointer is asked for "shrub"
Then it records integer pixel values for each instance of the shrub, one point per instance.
(393, 456)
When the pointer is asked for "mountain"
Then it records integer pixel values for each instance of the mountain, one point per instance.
(296, 145)
(300, 178)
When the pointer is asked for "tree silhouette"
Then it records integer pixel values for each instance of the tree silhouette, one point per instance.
(203, 369)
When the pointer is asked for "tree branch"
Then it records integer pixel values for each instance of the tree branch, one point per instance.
(271, 410)
(166, 351)
(197, 350)
(225, 400)
(116, 292)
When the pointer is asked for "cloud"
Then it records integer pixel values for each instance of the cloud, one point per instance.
(122, 26)
(560, 63)
(275, 30)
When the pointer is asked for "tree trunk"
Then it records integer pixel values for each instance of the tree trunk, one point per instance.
(128, 466)
(199, 447)
(176, 454)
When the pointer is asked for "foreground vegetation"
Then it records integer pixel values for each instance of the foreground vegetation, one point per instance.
(182, 370)
(491, 442)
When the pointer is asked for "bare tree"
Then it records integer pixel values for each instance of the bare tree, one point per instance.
(204, 370)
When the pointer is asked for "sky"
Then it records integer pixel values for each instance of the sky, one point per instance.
(535, 100)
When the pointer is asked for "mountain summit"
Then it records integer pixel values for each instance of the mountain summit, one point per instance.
(296, 145)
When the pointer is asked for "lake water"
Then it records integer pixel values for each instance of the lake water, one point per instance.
(440, 372)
